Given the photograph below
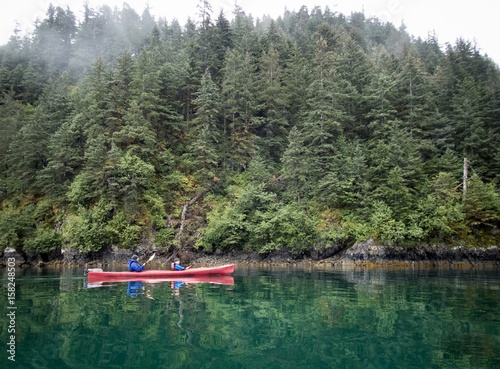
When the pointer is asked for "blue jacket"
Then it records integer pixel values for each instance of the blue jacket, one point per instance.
(178, 267)
(134, 266)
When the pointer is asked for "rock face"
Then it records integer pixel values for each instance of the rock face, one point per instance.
(370, 252)
(363, 252)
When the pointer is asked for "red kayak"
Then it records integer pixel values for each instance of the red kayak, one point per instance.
(213, 279)
(94, 275)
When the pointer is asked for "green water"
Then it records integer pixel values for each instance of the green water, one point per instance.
(270, 318)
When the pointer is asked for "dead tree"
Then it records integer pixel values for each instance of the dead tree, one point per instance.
(193, 201)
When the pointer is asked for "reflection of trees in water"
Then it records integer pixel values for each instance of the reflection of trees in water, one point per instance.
(182, 304)
(280, 318)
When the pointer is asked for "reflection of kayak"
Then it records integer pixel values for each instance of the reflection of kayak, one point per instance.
(215, 279)
(99, 275)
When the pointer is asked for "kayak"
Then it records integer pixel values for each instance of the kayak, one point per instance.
(99, 275)
(214, 279)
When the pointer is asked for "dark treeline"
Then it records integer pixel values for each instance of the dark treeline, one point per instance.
(308, 131)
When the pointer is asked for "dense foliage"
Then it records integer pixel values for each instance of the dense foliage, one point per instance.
(297, 133)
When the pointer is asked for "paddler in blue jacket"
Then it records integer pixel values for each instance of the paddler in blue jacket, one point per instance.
(178, 266)
(134, 266)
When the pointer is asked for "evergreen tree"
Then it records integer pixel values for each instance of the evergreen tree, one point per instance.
(415, 103)
(27, 152)
(354, 69)
(482, 208)
(53, 38)
(11, 115)
(296, 77)
(207, 143)
(64, 159)
(430, 53)
(92, 104)
(346, 186)
(323, 117)
(380, 97)
(272, 124)
(194, 69)
(120, 85)
(296, 167)
(222, 41)
(239, 107)
(395, 172)
(99, 37)
(146, 90)
(472, 137)
(136, 135)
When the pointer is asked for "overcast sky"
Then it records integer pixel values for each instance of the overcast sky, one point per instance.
(475, 21)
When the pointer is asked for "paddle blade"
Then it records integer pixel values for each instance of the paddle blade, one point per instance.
(152, 257)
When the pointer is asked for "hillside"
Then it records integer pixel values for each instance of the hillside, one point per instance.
(312, 131)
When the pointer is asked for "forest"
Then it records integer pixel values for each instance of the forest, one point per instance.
(305, 132)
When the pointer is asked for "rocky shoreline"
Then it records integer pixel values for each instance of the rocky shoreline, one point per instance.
(367, 254)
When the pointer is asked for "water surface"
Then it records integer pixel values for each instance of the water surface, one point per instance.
(270, 318)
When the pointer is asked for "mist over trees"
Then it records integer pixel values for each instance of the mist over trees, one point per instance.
(309, 131)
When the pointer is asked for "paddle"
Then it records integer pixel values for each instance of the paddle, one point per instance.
(151, 258)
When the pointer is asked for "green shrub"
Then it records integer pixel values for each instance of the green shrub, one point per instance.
(44, 241)
(285, 228)
(87, 230)
(225, 230)
(165, 237)
(16, 226)
(257, 221)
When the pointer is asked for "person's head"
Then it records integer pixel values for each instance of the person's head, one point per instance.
(177, 261)
(135, 257)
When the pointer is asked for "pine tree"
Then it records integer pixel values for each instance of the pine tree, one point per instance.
(95, 113)
(296, 167)
(354, 70)
(64, 159)
(194, 69)
(272, 123)
(11, 115)
(395, 169)
(296, 77)
(222, 41)
(239, 107)
(205, 150)
(27, 152)
(120, 95)
(380, 97)
(54, 37)
(482, 206)
(323, 116)
(345, 186)
(245, 38)
(472, 137)
(146, 90)
(136, 136)
(414, 104)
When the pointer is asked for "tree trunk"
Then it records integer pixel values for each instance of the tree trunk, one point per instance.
(466, 175)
